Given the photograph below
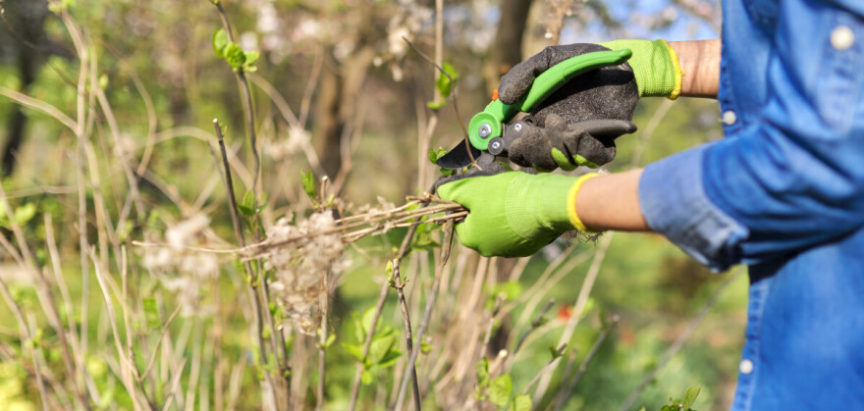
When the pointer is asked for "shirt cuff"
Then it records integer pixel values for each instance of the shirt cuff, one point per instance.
(673, 201)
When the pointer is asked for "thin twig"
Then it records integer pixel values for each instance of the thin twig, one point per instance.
(382, 297)
(351, 233)
(43, 290)
(358, 373)
(679, 342)
(248, 111)
(579, 306)
(571, 385)
(545, 370)
(446, 246)
(158, 342)
(25, 331)
(238, 232)
(290, 118)
(322, 345)
(538, 321)
(406, 320)
(39, 105)
(306, 101)
(454, 95)
(125, 362)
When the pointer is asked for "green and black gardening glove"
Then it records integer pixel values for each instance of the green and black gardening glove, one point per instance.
(566, 145)
(515, 214)
(578, 124)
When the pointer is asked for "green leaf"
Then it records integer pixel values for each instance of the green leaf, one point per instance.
(356, 350)
(245, 211)
(151, 313)
(521, 403)
(359, 333)
(220, 41)
(124, 231)
(500, 389)
(510, 289)
(389, 272)
(446, 172)
(482, 369)
(436, 153)
(368, 316)
(234, 55)
(330, 339)
(58, 7)
(423, 239)
(436, 105)
(366, 377)
(24, 214)
(289, 343)
(444, 84)
(390, 358)
(425, 347)
(690, 396)
(247, 205)
(251, 58)
(308, 180)
(379, 348)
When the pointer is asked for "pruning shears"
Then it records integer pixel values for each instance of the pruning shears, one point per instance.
(489, 132)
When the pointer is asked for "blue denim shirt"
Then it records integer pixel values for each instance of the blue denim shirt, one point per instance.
(784, 193)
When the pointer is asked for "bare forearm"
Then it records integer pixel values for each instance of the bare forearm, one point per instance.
(700, 63)
(611, 202)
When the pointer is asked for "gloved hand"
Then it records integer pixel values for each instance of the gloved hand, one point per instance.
(562, 136)
(559, 144)
(515, 214)
(654, 65)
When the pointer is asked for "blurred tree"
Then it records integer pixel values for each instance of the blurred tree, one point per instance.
(22, 37)
(507, 48)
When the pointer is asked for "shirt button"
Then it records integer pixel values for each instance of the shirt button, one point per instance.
(746, 366)
(842, 37)
(729, 117)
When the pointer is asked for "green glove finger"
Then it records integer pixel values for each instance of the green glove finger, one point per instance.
(655, 66)
(563, 161)
(512, 214)
(569, 164)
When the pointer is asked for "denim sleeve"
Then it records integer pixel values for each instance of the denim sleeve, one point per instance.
(794, 177)
(674, 203)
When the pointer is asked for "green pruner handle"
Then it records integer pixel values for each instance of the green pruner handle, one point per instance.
(488, 124)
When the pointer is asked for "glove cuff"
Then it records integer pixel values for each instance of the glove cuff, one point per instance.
(571, 201)
(655, 66)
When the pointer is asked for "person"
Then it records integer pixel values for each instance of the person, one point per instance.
(782, 193)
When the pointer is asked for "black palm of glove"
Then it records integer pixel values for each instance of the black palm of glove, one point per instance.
(581, 120)
(566, 145)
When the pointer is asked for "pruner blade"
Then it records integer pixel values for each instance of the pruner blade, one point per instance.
(458, 157)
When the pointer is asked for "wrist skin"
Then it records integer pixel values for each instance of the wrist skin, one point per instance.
(700, 64)
(611, 202)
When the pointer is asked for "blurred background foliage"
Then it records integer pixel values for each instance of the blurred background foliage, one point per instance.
(357, 96)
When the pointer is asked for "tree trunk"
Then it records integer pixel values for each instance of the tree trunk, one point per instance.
(507, 47)
(328, 125)
(24, 25)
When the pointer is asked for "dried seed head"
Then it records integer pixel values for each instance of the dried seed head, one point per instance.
(180, 270)
(302, 267)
